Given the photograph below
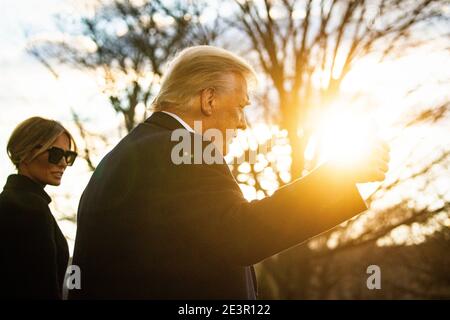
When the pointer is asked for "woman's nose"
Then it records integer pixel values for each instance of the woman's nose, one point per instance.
(63, 162)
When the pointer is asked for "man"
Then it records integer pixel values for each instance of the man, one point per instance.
(149, 228)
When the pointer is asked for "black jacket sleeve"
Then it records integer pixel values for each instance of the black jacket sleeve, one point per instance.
(245, 233)
(29, 253)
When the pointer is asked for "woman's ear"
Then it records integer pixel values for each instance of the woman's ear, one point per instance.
(207, 101)
(22, 167)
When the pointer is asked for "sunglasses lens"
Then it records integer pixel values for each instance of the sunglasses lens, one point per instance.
(55, 155)
(70, 157)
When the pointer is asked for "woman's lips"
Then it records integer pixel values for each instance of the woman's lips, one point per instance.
(58, 174)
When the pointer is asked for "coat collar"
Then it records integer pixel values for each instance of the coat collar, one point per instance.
(21, 183)
(164, 120)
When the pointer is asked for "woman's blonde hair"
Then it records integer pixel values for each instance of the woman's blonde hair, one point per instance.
(32, 137)
(195, 69)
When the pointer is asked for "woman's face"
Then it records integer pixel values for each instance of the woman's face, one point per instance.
(44, 172)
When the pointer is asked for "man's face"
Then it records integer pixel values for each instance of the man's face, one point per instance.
(228, 110)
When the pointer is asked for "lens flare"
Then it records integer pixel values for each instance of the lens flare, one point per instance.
(345, 138)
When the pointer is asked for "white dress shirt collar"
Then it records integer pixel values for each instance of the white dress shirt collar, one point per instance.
(183, 123)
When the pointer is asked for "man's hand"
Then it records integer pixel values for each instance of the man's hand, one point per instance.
(367, 165)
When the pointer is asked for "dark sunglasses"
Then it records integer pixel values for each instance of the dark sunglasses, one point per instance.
(55, 155)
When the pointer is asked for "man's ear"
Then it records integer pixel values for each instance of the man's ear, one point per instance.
(208, 101)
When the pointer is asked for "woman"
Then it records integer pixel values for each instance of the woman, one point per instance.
(34, 253)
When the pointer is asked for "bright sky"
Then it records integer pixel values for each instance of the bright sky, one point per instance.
(28, 89)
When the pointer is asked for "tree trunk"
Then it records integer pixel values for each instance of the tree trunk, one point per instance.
(290, 110)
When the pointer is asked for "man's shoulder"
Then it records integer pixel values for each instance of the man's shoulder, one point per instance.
(181, 145)
(150, 150)
(145, 139)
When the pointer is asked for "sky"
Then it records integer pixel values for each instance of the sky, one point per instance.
(29, 89)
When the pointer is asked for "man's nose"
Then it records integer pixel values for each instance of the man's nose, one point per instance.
(243, 123)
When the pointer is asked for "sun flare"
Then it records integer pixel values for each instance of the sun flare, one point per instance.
(344, 137)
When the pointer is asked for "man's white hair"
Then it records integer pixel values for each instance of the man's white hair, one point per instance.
(195, 69)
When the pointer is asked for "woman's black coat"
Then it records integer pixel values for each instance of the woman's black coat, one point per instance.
(33, 250)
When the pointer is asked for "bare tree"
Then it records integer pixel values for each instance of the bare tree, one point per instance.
(362, 233)
(297, 41)
(127, 43)
(306, 49)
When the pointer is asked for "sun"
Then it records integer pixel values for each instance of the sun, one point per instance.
(347, 138)
(342, 136)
